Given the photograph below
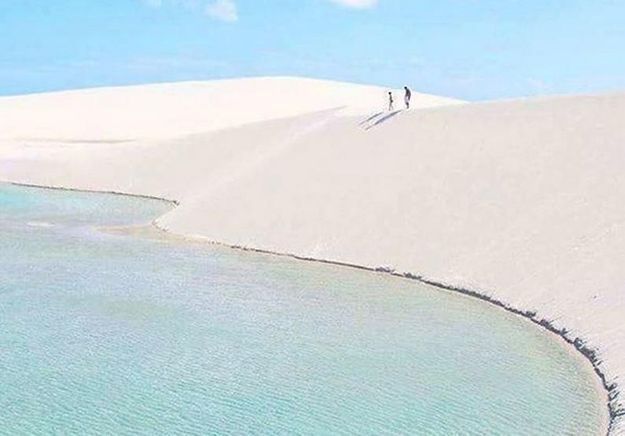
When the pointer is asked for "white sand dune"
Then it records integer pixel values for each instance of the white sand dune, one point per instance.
(174, 109)
(521, 201)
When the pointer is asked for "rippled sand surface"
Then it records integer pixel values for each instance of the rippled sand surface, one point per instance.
(112, 333)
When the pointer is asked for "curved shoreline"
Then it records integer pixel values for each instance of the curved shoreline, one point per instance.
(616, 410)
(591, 355)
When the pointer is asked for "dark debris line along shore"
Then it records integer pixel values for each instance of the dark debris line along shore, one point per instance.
(616, 409)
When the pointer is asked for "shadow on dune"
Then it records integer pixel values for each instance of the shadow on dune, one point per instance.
(371, 118)
(382, 119)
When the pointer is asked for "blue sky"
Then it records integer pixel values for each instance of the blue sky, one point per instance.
(472, 49)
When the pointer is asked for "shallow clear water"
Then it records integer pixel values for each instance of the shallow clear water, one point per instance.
(113, 333)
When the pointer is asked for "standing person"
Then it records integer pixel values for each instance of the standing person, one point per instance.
(407, 96)
(391, 106)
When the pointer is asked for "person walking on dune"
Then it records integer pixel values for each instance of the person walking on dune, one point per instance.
(407, 96)
(391, 106)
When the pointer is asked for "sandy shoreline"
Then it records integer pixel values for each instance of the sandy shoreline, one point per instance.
(574, 348)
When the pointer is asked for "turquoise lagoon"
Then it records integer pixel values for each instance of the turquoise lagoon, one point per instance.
(105, 332)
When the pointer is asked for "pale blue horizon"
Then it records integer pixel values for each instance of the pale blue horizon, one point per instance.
(474, 50)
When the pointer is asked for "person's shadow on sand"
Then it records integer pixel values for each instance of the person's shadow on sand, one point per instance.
(376, 120)
(371, 118)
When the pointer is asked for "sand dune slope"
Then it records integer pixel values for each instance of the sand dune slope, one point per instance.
(174, 109)
(520, 200)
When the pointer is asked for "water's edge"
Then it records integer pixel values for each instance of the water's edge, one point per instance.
(616, 410)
